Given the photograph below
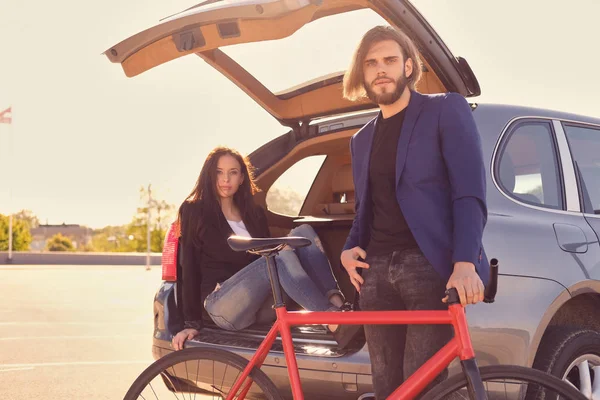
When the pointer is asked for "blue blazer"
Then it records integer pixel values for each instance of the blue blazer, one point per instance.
(441, 182)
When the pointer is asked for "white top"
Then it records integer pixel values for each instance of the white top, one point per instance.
(239, 228)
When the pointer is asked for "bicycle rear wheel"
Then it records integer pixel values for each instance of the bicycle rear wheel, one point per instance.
(203, 372)
(508, 382)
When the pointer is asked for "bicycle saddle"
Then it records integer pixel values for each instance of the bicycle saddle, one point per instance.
(242, 243)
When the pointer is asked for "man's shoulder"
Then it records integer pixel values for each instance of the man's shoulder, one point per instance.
(366, 129)
(438, 100)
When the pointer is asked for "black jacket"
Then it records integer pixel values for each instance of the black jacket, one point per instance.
(210, 260)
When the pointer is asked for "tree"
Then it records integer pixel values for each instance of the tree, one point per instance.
(59, 242)
(28, 217)
(284, 201)
(132, 237)
(108, 239)
(161, 211)
(137, 230)
(161, 216)
(21, 234)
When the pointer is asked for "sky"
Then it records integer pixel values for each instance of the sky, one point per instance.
(85, 137)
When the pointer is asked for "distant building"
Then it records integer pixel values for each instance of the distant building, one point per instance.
(79, 235)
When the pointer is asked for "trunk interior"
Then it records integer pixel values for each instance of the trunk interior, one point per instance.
(329, 203)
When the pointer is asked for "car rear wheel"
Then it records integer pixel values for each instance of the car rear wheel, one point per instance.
(206, 371)
(572, 354)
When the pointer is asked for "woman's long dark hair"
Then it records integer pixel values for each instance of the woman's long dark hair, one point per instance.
(203, 202)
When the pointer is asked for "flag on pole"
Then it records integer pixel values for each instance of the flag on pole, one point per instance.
(6, 116)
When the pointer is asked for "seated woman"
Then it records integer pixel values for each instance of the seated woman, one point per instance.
(233, 288)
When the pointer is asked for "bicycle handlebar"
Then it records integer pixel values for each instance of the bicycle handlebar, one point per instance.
(492, 287)
(490, 291)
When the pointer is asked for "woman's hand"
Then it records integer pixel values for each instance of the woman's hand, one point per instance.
(181, 337)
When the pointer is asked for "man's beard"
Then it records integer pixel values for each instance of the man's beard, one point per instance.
(385, 99)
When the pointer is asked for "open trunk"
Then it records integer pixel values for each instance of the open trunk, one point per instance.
(208, 29)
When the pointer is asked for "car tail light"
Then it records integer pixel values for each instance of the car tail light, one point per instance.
(169, 254)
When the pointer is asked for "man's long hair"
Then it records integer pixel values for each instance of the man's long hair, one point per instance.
(354, 88)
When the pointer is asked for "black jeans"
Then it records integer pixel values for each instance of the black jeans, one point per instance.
(403, 280)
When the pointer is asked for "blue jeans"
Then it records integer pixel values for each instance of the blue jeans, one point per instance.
(305, 276)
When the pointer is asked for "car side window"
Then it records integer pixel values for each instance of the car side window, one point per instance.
(528, 167)
(584, 143)
(287, 194)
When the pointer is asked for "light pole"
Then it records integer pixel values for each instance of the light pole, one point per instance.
(148, 228)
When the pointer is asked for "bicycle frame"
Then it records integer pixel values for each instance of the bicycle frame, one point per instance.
(459, 346)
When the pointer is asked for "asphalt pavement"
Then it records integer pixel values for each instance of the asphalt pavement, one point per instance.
(74, 332)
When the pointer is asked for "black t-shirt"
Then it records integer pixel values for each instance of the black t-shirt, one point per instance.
(389, 231)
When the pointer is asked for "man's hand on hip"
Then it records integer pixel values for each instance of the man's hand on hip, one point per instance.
(349, 259)
(467, 282)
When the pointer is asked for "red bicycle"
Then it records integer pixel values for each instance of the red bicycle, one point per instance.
(226, 375)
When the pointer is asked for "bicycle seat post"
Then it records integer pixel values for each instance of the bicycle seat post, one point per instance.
(274, 278)
(269, 248)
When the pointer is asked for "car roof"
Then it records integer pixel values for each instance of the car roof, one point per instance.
(513, 111)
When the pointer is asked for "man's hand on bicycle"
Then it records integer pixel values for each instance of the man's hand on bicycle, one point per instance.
(349, 259)
(467, 282)
(179, 339)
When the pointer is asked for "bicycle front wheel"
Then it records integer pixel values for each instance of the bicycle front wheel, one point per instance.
(208, 373)
(507, 382)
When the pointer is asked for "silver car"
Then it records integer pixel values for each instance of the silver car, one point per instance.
(543, 171)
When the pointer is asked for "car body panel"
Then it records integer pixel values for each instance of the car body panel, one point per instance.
(594, 221)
